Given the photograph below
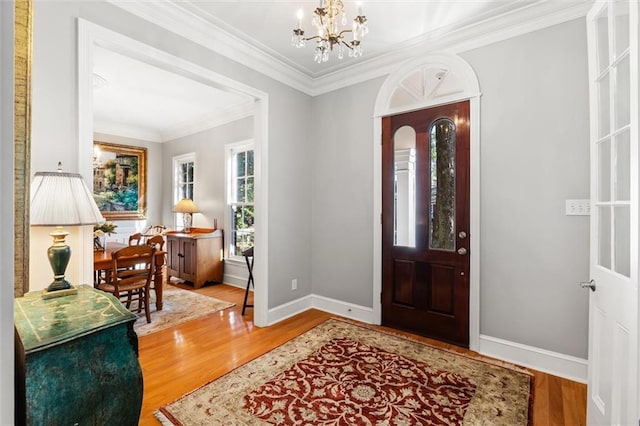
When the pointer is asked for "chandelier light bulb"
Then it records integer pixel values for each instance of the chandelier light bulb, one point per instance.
(300, 15)
(330, 21)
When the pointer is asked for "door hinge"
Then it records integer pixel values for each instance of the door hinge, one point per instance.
(380, 218)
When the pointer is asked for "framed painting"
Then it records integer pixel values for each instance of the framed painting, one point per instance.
(120, 180)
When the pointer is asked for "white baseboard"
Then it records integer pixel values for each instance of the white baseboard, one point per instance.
(345, 309)
(312, 301)
(555, 363)
(236, 281)
(288, 309)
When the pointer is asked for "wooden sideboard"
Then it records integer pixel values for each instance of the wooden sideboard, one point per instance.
(76, 360)
(196, 256)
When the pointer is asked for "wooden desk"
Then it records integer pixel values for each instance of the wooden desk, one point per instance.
(102, 261)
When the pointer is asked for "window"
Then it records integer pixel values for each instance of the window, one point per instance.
(183, 181)
(240, 197)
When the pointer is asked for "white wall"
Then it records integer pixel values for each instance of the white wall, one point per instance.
(55, 134)
(534, 156)
(6, 213)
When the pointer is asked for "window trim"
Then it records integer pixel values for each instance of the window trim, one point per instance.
(179, 160)
(229, 150)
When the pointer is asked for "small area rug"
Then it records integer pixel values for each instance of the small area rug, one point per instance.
(178, 306)
(341, 373)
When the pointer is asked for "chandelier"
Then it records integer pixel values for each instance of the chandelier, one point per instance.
(326, 18)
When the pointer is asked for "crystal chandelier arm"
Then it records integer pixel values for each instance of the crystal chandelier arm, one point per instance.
(347, 44)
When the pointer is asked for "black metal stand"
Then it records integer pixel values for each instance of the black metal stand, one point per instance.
(248, 254)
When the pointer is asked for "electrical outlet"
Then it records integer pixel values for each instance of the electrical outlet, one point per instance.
(577, 207)
(294, 284)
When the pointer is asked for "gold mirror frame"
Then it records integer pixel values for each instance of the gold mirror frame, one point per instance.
(22, 142)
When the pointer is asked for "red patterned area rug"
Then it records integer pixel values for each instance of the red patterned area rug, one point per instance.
(341, 373)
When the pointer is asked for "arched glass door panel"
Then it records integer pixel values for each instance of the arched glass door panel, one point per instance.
(442, 207)
(404, 205)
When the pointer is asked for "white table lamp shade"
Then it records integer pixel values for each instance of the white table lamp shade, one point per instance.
(62, 199)
(186, 205)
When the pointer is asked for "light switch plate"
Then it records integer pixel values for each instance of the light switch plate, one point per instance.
(578, 207)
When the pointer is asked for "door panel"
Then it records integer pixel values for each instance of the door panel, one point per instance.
(425, 244)
(613, 305)
(403, 282)
(442, 286)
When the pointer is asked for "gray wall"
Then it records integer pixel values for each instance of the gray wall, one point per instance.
(6, 213)
(342, 193)
(55, 130)
(534, 156)
(208, 147)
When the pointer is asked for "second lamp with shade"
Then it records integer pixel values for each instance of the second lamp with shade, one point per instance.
(187, 207)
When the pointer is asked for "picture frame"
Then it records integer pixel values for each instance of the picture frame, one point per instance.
(120, 180)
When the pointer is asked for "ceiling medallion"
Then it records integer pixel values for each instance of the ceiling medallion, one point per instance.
(329, 34)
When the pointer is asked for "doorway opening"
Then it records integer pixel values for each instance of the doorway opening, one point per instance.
(91, 36)
(420, 84)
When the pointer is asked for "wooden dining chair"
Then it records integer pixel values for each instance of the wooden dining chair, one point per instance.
(135, 239)
(131, 274)
(153, 230)
(156, 241)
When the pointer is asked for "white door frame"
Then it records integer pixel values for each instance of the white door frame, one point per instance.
(90, 35)
(470, 90)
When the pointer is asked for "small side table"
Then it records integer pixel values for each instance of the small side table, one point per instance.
(248, 253)
(76, 360)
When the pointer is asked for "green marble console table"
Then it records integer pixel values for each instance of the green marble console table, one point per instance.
(76, 360)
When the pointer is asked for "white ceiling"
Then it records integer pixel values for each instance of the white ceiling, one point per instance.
(145, 102)
(269, 24)
(137, 100)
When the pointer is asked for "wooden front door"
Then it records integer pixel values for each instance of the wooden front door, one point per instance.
(425, 222)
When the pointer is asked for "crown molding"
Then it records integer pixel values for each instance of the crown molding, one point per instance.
(193, 27)
(174, 18)
(208, 122)
(126, 131)
(183, 129)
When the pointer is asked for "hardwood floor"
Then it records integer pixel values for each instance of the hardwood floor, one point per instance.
(178, 360)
